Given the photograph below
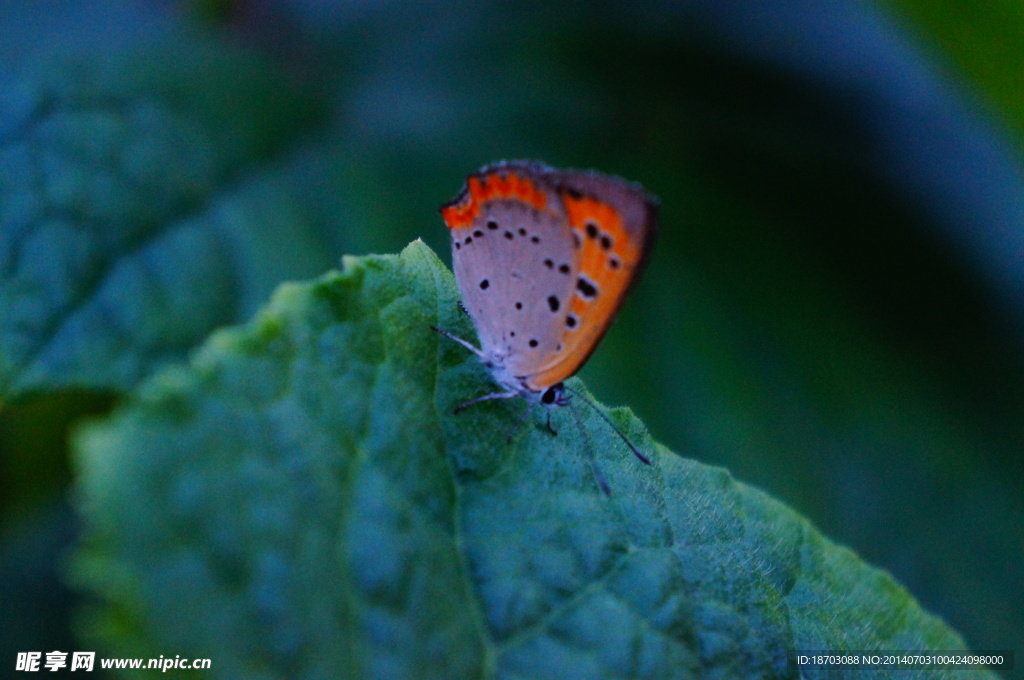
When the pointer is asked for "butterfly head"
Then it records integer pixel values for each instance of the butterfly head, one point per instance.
(554, 396)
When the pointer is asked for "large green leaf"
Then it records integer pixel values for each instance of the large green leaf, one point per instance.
(299, 501)
(131, 222)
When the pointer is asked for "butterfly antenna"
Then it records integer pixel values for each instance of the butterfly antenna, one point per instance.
(598, 477)
(612, 425)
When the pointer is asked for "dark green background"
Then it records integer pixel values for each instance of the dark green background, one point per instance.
(835, 307)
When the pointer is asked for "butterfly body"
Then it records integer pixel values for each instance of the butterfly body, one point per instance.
(544, 259)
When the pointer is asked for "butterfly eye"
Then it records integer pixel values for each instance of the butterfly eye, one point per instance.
(554, 395)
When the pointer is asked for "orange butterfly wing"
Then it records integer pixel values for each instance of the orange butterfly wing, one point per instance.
(613, 224)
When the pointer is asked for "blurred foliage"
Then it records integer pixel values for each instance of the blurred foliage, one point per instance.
(307, 487)
(835, 311)
(125, 201)
(982, 45)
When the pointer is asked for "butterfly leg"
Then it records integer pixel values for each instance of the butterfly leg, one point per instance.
(519, 423)
(599, 478)
(459, 340)
(493, 395)
(551, 429)
(602, 483)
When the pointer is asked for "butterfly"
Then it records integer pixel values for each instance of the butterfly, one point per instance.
(544, 260)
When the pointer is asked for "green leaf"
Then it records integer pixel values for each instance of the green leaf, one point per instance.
(131, 222)
(299, 501)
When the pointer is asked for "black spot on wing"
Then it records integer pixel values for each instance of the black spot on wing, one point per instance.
(587, 289)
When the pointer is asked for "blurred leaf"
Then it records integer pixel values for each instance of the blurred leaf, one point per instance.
(35, 604)
(131, 224)
(33, 438)
(985, 42)
(300, 502)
